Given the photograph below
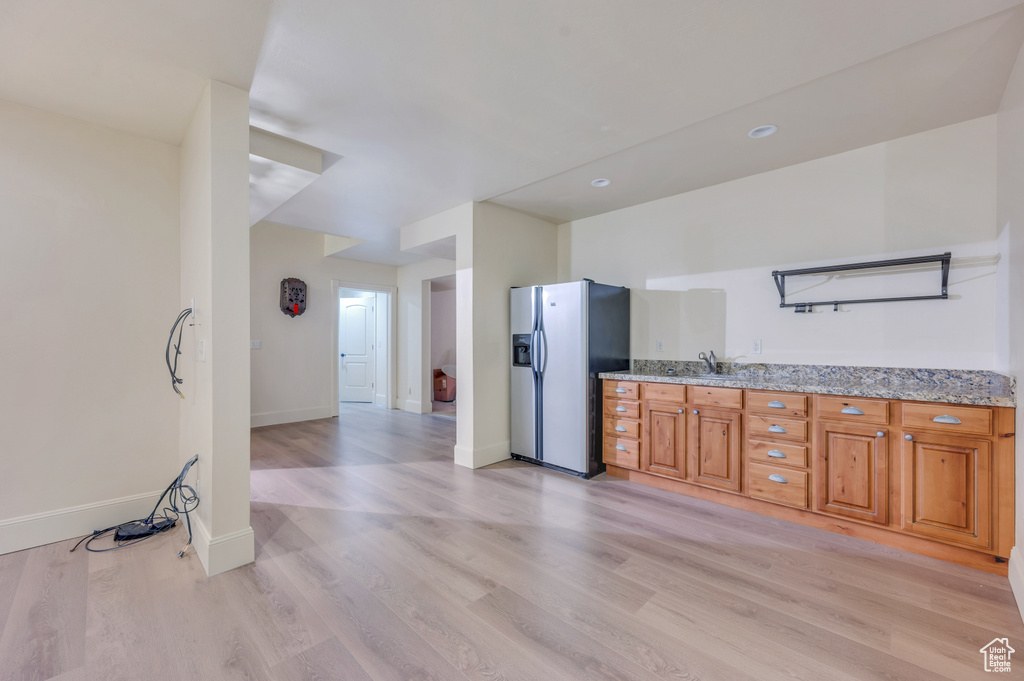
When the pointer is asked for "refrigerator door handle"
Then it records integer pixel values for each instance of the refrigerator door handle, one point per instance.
(534, 351)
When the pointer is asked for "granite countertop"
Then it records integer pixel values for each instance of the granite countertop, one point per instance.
(922, 385)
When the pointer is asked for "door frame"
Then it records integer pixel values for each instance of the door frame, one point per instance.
(390, 354)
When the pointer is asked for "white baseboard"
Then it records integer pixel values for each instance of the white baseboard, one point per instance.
(225, 552)
(485, 456)
(273, 418)
(415, 406)
(28, 531)
(1017, 578)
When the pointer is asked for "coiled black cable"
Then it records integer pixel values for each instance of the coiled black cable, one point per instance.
(181, 499)
(175, 381)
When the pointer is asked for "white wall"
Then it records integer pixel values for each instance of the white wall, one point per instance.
(509, 249)
(89, 271)
(442, 328)
(293, 372)
(715, 248)
(1010, 222)
(214, 418)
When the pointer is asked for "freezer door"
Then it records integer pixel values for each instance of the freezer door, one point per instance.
(524, 303)
(563, 358)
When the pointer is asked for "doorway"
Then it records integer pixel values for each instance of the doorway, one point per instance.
(442, 346)
(361, 347)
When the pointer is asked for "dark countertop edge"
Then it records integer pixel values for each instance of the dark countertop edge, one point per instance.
(873, 391)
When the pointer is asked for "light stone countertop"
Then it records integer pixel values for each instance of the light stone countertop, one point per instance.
(923, 385)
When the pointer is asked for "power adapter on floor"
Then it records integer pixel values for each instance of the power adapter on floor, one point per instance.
(138, 529)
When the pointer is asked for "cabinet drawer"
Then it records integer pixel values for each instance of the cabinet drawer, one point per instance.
(622, 390)
(728, 398)
(664, 392)
(947, 419)
(621, 409)
(619, 452)
(853, 409)
(783, 404)
(777, 484)
(767, 428)
(776, 453)
(621, 428)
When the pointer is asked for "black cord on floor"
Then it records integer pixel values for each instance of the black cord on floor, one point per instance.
(175, 381)
(181, 499)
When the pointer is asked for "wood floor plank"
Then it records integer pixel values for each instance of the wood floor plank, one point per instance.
(384, 645)
(45, 632)
(479, 652)
(379, 559)
(326, 661)
(554, 641)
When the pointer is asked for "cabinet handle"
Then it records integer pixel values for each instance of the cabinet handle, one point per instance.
(776, 429)
(775, 404)
(853, 410)
(681, 411)
(695, 412)
(620, 390)
(620, 408)
(776, 454)
(775, 477)
(946, 418)
(880, 433)
(621, 448)
(908, 438)
(620, 429)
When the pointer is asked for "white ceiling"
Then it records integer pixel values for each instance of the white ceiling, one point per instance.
(134, 65)
(422, 106)
(435, 104)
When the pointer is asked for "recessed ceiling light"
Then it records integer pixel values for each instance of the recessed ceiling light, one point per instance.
(601, 182)
(763, 131)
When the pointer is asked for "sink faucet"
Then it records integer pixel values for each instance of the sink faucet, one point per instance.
(712, 362)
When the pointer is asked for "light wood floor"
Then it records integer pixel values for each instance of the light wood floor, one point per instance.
(377, 558)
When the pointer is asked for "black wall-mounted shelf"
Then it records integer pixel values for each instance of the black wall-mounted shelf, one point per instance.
(780, 280)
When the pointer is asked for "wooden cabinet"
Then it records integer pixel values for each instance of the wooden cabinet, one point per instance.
(714, 448)
(852, 466)
(664, 445)
(947, 488)
(928, 477)
(621, 429)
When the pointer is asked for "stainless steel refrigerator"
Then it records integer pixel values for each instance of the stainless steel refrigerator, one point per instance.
(563, 335)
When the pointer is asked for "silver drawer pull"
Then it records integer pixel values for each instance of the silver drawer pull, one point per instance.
(775, 477)
(621, 448)
(775, 404)
(620, 409)
(776, 429)
(908, 438)
(853, 410)
(880, 433)
(620, 390)
(946, 418)
(776, 454)
(620, 429)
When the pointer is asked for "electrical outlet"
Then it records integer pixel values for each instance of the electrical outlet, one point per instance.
(659, 345)
(201, 350)
(193, 308)
(755, 346)
(255, 345)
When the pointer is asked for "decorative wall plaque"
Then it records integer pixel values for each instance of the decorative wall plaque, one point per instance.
(293, 296)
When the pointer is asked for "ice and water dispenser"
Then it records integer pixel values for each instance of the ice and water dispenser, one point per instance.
(521, 349)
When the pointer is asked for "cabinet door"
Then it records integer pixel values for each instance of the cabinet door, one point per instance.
(852, 478)
(664, 442)
(947, 488)
(714, 448)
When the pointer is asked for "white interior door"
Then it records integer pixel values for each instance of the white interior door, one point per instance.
(357, 336)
